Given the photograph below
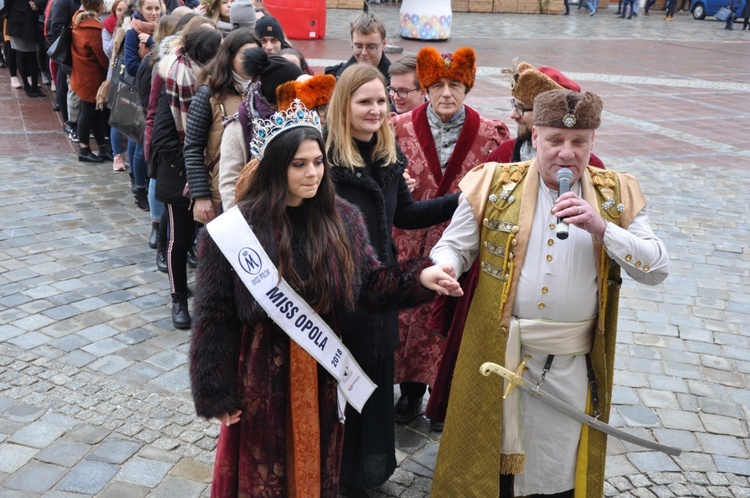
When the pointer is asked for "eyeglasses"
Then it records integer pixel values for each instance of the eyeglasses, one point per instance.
(370, 47)
(401, 93)
(519, 108)
(322, 110)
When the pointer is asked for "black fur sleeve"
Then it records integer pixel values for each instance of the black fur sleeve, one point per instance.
(214, 347)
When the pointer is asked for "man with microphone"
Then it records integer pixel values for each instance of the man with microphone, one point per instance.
(547, 296)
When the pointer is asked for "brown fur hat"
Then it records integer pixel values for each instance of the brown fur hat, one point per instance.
(461, 66)
(568, 109)
(528, 82)
(312, 91)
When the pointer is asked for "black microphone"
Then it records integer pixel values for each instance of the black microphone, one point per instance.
(563, 177)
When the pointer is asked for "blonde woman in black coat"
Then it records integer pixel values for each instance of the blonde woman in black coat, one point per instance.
(367, 168)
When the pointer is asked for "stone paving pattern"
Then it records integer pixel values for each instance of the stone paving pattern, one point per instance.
(94, 392)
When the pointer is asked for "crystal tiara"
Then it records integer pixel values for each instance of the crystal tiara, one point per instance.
(265, 130)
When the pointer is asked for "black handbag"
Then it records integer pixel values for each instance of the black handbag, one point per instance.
(60, 51)
(126, 110)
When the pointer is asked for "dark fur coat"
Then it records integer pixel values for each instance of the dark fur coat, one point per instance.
(239, 360)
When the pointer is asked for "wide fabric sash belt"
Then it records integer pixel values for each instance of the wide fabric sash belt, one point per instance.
(287, 309)
(559, 338)
(544, 337)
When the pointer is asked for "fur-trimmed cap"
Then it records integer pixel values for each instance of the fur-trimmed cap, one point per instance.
(568, 109)
(313, 91)
(528, 82)
(461, 66)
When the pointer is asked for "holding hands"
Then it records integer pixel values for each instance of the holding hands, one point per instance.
(229, 418)
(442, 280)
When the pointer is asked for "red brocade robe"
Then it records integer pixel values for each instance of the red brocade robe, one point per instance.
(420, 350)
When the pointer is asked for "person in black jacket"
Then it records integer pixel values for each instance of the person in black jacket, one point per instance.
(367, 168)
(200, 45)
(368, 40)
(61, 14)
(22, 27)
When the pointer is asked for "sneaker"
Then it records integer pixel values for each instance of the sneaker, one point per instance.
(15, 82)
(118, 164)
(53, 87)
(72, 132)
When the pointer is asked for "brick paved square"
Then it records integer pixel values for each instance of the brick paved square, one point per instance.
(35, 477)
(64, 452)
(143, 472)
(88, 478)
(114, 450)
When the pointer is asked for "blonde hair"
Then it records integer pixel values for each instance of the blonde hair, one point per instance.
(340, 144)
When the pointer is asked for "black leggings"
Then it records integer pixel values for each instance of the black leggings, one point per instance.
(61, 93)
(91, 121)
(27, 66)
(181, 235)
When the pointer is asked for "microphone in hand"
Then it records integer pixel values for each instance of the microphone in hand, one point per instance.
(563, 177)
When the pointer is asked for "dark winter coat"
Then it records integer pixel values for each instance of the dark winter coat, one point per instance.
(239, 359)
(143, 80)
(60, 16)
(200, 118)
(90, 63)
(132, 46)
(383, 66)
(23, 22)
(166, 155)
(385, 202)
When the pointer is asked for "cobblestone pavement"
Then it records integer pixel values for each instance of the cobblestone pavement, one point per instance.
(94, 397)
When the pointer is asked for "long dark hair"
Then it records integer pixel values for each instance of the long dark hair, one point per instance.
(202, 44)
(218, 73)
(324, 241)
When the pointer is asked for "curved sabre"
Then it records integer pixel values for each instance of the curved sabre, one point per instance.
(518, 381)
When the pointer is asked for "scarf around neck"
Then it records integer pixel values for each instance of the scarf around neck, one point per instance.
(180, 88)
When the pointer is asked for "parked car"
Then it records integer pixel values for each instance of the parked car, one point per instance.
(703, 8)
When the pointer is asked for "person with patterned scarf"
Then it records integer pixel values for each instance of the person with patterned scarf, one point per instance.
(180, 73)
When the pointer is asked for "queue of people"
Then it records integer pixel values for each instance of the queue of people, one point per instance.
(402, 238)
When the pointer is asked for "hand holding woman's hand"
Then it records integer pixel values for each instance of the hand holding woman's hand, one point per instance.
(410, 182)
(229, 418)
(442, 280)
(204, 209)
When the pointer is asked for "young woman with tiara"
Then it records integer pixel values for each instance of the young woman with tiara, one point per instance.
(281, 434)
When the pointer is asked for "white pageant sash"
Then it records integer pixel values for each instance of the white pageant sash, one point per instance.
(291, 313)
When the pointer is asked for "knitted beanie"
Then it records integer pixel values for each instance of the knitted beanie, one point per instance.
(242, 15)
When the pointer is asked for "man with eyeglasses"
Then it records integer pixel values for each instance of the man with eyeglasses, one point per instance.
(443, 139)
(368, 42)
(527, 83)
(405, 91)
